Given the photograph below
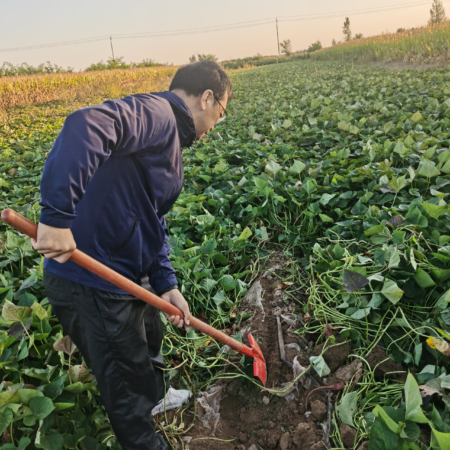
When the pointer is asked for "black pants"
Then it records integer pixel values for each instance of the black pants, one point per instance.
(120, 338)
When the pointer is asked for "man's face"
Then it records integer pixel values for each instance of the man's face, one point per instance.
(208, 112)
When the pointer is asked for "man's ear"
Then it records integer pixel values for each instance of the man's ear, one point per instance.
(206, 96)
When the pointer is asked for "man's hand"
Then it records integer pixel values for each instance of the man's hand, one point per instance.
(54, 243)
(175, 297)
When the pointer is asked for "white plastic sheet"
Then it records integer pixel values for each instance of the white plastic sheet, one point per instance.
(174, 399)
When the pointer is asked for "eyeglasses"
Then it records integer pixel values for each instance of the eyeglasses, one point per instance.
(225, 112)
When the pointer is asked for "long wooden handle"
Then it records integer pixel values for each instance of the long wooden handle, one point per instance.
(23, 225)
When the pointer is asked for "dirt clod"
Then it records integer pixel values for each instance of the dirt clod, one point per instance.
(319, 410)
(334, 356)
(234, 387)
(272, 440)
(319, 446)
(304, 436)
(376, 356)
(285, 441)
(364, 446)
(345, 373)
(348, 435)
(242, 438)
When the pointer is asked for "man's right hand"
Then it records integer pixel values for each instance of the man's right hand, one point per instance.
(54, 243)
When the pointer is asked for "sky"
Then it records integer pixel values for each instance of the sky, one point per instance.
(30, 22)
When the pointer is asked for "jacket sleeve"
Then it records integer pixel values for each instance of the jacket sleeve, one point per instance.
(161, 274)
(88, 138)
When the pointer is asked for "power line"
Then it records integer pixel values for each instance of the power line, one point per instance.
(218, 28)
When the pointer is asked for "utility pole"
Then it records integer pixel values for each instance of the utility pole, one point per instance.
(112, 49)
(278, 40)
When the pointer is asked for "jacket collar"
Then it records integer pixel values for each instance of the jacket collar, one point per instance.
(183, 116)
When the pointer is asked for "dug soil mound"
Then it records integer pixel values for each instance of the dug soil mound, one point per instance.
(252, 418)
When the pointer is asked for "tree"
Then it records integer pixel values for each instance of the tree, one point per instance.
(314, 47)
(286, 47)
(400, 30)
(192, 59)
(208, 57)
(358, 36)
(346, 30)
(333, 42)
(437, 13)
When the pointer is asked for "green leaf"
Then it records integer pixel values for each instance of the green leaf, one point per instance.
(245, 234)
(434, 211)
(310, 186)
(443, 439)
(400, 148)
(416, 117)
(359, 208)
(8, 397)
(418, 348)
(413, 401)
(325, 199)
(423, 279)
(6, 418)
(227, 282)
(361, 314)
(381, 437)
(387, 419)
(14, 313)
(376, 229)
(39, 310)
(41, 406)
(353, 280)
(428, 169)
(26, 395)
(208, 246)
(53, 441)
(391, 291)
(220, 298)
(326, 218)
(24, 443)
(398, 183)
(347, 408)
(63, 406)
(272, 168)
(297, 167)
(320, 366)
(259, 183)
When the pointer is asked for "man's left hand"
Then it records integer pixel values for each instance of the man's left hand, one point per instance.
(175, 297)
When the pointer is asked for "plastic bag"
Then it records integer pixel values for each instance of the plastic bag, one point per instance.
(173, 399)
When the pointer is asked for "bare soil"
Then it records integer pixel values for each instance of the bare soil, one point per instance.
(252, 418)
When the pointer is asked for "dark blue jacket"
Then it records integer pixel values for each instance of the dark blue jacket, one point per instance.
(113, 173)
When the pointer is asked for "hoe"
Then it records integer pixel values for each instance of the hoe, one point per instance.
(24, 226)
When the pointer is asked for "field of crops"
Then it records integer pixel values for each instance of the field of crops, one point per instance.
(419, 45)
(15, 91)
(343, 171)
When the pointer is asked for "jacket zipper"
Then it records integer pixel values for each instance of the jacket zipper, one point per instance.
(125, 241)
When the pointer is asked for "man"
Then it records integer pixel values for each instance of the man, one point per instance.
(113, 173)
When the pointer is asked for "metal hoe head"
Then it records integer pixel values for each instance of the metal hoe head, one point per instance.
(259, 363)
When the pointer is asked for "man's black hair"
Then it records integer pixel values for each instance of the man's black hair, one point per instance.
(196, 78)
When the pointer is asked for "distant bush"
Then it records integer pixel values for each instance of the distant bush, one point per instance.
(119, 63)
(10, 70)
(314, 47)
(258, 60)
(203, 57)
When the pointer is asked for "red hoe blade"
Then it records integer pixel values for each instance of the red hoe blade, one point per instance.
(259, 364)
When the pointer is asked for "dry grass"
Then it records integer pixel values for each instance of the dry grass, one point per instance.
(22, 90)
(426, 45)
